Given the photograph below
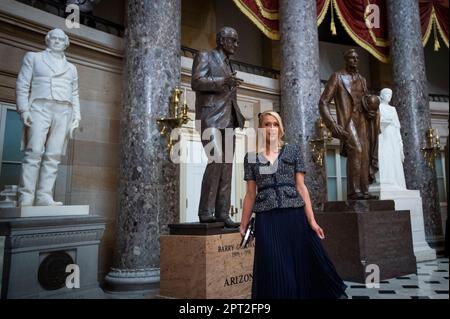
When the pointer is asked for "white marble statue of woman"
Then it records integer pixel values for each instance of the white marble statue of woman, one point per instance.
(390, 147)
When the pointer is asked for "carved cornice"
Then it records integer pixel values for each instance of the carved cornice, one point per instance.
(63, 238)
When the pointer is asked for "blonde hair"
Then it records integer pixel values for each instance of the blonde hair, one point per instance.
(280, 127)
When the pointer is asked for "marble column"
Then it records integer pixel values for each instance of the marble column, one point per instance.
(149, 181)
(300, 86)
(410, 96)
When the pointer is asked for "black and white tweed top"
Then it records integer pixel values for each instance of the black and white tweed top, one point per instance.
(275, 183)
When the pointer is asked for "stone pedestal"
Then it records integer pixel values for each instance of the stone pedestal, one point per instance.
(38, 250)
(412, 201)
(204, 266)
(361, 233)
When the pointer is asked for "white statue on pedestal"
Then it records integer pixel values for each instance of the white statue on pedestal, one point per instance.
(392, 178)
(48, 104)
(390, 145)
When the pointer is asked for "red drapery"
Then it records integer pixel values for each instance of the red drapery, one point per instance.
(352, 15)
(263, 13)
(434, 21)
(322, 9)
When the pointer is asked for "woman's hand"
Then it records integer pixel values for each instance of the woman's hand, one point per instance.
(242, 229)
(317, 229)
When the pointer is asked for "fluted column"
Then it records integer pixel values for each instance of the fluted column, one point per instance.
(411, 98)
(300, 85)
(149, 182)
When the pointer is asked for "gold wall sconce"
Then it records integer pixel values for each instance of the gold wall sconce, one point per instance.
(177, 117)
(432, 147)
(319, 146)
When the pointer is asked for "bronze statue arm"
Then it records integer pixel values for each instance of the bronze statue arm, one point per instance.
(325, 99)
(201, 77)
(324, 108)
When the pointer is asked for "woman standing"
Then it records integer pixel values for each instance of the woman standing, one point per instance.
(289, 262)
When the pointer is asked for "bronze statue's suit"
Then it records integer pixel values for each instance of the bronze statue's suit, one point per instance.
(361, 124)
(215, 107)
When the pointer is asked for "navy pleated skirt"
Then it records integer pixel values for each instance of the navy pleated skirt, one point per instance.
(290, 261)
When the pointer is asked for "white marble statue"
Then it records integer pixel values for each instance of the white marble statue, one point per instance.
(390, 147)
(48, 104)
(392, 178)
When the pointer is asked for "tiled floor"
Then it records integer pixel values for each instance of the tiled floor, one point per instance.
(430, 282)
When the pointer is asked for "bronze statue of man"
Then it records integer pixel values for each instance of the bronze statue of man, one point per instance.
(217, 111)
(357, 124)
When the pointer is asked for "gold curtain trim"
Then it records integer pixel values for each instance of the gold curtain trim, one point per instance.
(379, 41)
(361, 42)
(271, 34)
(323, 13)
(266, 13)
(441, 32)
(427, 34)
(433, 20)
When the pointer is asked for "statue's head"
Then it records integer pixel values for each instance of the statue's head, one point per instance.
(351, 59)
(57, 40)
(227, 40)
(386, 95)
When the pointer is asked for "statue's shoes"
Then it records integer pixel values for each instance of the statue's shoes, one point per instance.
(229, 223)
(25, 201)
(356, 196)
(206, 219)
(47, 202)
(369, 196)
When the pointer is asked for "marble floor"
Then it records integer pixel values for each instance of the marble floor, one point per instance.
(430, 282)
